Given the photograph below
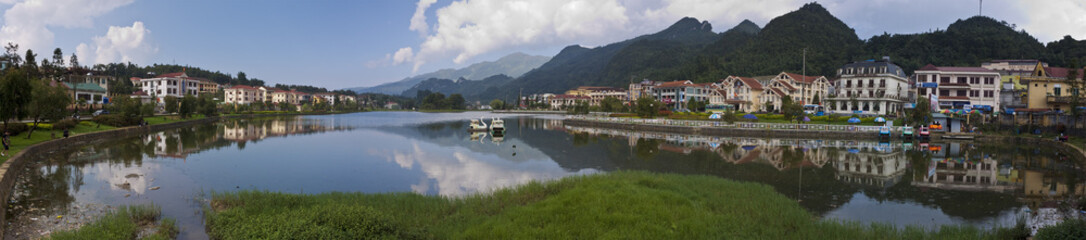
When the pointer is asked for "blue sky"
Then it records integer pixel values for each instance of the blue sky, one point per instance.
(339, 44)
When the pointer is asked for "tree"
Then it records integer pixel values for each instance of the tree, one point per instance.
(11, 54)
(610, 104)
(922, 112)
(74, 61)
(242, 78)
(48, 104)
(696, 106)
(730, 116)
(58, 57)
(15, 94)
(647, 107)
(206, 105)
(579, 108)
(287, 107)
(434, 101)
(817, 100)
(855, 103)
(791, 109)
(496, 104)
(455, 101)
(171, 104)
(188, 106)
(31, 65)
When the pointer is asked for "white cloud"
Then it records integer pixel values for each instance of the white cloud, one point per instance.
(1050, 20)
(418, 20)
(121, 44)
(28, 22)
(403, 55)
(468, 28)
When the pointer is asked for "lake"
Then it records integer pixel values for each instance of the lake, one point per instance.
(898, 183)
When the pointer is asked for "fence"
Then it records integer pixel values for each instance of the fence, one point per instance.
(739, 125)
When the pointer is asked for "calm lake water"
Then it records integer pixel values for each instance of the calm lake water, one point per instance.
(433, 153)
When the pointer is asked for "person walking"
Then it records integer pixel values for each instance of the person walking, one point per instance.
(65, 132)
(7, 144)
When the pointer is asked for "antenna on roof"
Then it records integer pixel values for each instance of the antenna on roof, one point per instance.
(980, 11)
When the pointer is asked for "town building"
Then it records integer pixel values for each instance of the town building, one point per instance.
(1013, 91)
(347, 98)
(872, 87)
(802, 89)
(561, 101)
(176, 85)
(329, 98)
(597, 94)
(640, 89)
(960, 87)
(1049, 89)
(677, 94)
(89, 93)
(241, 94)
(744, 93)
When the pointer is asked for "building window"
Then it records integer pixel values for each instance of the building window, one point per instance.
(944, 80)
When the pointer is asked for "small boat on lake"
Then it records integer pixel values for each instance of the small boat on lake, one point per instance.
(477, 125)
(497, 125)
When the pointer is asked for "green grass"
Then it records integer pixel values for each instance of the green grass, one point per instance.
(171, 119)
(620, 205)
(123, 223)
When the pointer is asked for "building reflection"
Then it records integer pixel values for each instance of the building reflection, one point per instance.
(1038, 176)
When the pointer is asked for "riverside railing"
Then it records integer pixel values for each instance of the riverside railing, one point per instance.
(742, 125)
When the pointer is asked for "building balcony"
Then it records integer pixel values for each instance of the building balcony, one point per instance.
(954, 85)
(1059, 99)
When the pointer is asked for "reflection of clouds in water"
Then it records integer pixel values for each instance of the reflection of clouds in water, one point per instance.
(128, 178)
(464, 172)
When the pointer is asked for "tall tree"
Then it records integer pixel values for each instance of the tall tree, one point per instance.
(15, 94)
(455, 101)
(11, 54)
(58, 57)
(242, 78)
(646, 107)
(171, 104)
(48, 103)
(188, 106)
(31, 65)
(74, 61)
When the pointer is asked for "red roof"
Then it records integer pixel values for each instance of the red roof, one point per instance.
(800, 78)
(1059, 72)
(244, 87)
(680, 83)
(751, 82)
(169, 75)
(779, 92)
(930, 67)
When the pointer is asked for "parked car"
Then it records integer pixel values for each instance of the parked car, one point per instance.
(100, 112)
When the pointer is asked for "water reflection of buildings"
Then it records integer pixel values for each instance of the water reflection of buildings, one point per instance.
(954, 167)
(179, 143)
(861, 162)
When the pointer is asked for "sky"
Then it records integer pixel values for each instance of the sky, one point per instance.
(342, 44)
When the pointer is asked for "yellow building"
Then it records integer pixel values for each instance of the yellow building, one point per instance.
(1048, 88)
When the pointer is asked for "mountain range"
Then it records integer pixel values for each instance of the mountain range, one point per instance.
(513, 65)
(689, 49)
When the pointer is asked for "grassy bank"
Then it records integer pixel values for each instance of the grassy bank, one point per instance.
(124, 223)
(614, 205)
(20, 142)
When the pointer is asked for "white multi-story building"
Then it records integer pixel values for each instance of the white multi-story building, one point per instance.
(960, 87)
(329, 98)
(878, 87)
(241, 94)
(742, 92)
(176, 85)
(676, 94)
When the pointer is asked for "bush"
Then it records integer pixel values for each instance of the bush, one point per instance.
(15, 128)
(1068, 229)
(664, 113)
(64, 124)
(117, 120)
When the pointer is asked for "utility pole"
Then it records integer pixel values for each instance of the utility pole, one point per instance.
(803, 87)
(980, 11)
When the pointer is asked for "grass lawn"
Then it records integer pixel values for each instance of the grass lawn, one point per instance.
(170, 119)
(619, 205)
(124, 223)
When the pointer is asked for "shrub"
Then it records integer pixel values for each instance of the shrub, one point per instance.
(117, 120)
(1068, 229)
(15, 128)
(64, 124)
(664, 113)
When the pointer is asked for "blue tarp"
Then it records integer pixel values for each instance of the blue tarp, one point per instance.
(853, 120)
(750, 116)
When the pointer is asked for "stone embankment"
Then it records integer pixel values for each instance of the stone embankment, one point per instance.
(737, 130)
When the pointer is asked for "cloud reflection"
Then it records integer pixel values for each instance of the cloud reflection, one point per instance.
(458, 171)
